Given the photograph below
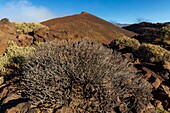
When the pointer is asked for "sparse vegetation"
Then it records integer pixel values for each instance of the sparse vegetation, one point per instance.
(125, 42)
(85, 76)
(150, 51)
(165, 34)
(28, 27)
(14, 54)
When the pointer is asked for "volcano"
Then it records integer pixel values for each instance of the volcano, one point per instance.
(87, 25)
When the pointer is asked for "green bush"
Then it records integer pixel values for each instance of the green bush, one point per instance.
(24, 28)
(150, 51)
(14, 54)
(125, 42)
(85, 76)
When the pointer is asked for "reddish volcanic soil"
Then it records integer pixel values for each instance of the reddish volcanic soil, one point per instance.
(87, 25)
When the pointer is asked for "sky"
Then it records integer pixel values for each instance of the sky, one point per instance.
(120, 11)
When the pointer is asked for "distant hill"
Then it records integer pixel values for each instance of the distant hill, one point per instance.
(122, 25)
(167, 22)
(119, 24)
(87, 25)
(145, 27)
(148, 32)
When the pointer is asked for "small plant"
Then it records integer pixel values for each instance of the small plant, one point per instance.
(149, 51)
(85, 76)
(125, 42)
(165, 31)
(24, 28)
(161, 111)
(14, 54)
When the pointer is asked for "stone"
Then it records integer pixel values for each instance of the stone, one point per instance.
(157, 83)
(12, 110)
(11, 97)
(25, 40)
(166, 65)
(65, 110)
(26, 107)
(166, 89)
(1, 80)
(41, 34)
(152, 77)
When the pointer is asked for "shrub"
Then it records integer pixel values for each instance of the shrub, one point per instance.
(165, 31)
(125, 42)
(4, 20)
(14, 54)
(24, 28)
(151, 51)
(84, 76)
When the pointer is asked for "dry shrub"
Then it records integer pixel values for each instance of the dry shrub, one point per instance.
(85, 76)
(125, 42)
(14, 54)
(149, 52)
(165, 33)
(24, 27)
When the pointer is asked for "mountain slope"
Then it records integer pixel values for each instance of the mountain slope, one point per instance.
(145, 27)
(87, 25)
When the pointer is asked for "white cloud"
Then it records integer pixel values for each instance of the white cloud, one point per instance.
(24, 11)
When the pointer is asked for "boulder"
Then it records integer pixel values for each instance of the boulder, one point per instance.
(3, 93)
(43, 34)
(34, 110)
(25, 40)
(156, 83)
(153, 78)
(4, 42)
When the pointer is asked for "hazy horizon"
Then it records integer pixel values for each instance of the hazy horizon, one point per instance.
(118, 11)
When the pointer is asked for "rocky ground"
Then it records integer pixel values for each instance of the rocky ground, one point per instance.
(157, 73)
(11, 102)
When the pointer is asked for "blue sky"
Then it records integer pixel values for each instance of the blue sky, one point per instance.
(122, 11)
